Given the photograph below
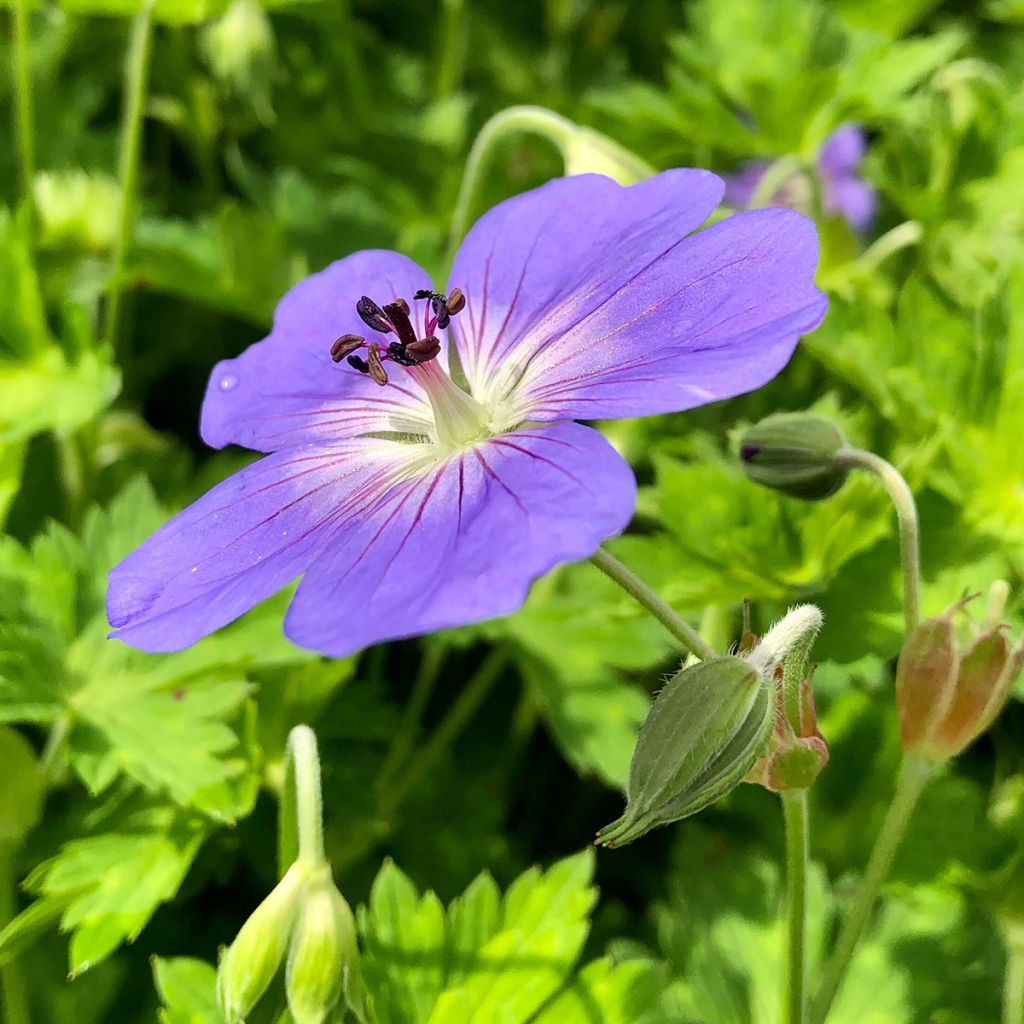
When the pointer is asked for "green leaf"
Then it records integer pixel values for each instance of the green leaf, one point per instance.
(608, 993)
(23, 329)
(22, 794)
(487, 958)
(187, 990)
(12, 458)
(168, 735)
(107, 886)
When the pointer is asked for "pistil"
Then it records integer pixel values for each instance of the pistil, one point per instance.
(458, 416)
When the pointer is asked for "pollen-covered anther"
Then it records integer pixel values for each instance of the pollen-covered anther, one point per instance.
(456, 301)
(344, 345)
(375, 367)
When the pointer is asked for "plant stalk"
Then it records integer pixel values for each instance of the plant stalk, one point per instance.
(301, 830)
(24, 116)
(795, 813)
(640, 592)
(906, 514)
(136, 83)
(508, 122)
(913, 777)
(459, 714)
(12, 978)
(1013, 983)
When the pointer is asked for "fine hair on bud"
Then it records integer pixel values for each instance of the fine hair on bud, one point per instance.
(250, 963)
(704, 732)
(323, 961)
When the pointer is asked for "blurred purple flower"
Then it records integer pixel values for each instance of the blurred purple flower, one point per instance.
(420, 504)
(843, 192)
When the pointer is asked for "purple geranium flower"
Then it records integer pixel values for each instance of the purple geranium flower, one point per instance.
(844, 193)
(409, 503)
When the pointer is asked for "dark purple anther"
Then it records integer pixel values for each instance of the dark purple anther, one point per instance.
(399, 318)
(358, 364)
(372, 315)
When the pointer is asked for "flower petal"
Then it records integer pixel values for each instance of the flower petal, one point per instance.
(842, 152)
(464, 541)
(285, 391)
(246, 539)
(851, 198)
(538, 263)
(716, 315)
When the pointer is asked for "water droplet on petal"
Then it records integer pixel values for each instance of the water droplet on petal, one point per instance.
(228, 382)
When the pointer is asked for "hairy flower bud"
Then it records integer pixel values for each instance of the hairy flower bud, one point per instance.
(945, 699)
(704, 731)
(795, 453)
(323, 961)
(249, 964)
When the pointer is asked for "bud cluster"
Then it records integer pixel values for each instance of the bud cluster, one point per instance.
(947, 697)
(306, 919)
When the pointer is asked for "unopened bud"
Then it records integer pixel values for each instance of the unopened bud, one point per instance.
(705, 730)
(795, 453)
(323, 961)
(946, 700)
(249, 964)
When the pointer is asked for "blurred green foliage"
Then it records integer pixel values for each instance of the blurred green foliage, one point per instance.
(137, 793)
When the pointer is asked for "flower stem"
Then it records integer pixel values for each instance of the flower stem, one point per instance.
(426, 679)
(900, 237)
(537, 120)
(639, 591)
(794, 809)
(12, 978)
(301, 830)
(906, 514)
(459, 714)
(136, 79)
(775, 174)
(25, 118)
(913, 777)
(452, 42)
(1013, 984)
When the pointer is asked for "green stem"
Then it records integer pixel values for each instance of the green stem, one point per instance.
(1013, 984)
(426, 679)
(794, 809)
(301, 830)
(12, 977)
(773, 177)
(900, 237)
(451, 40)
(512, 121)
(25, 118)
(459, 714)
(639, 591)
(906, 514)
(911, 783)
(136, 81)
